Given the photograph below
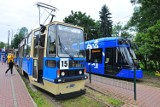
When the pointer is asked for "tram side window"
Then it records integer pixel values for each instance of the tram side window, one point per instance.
(29, 46)
(51, 48)
(25, 51)
(51, 63)
(36, 39)
(110, 56)
(21, 51)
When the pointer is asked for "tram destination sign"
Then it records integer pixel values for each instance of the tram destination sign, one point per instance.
(94, 55)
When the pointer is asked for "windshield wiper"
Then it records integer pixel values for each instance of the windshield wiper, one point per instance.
(63, 47)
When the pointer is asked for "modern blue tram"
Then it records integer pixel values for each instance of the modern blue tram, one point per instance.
(47, 57)
(117, 58)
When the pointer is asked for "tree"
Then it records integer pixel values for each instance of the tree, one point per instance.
(105, 21)
(146, 21)
(23, 32)
(81, 19)
(149, 47)
(119, 30)
(145, 15)
(154, 44)
(19, 37)
(2, 44)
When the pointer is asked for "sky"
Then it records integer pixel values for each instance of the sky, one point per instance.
(15, 14)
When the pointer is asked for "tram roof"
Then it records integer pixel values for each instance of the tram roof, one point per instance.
(61, 23)
(104, 39)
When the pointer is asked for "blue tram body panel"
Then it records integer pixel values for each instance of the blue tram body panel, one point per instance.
(18, 61)
(99, 68)
(127, 73)
(27, 65)
(95, 68)
(49, 73)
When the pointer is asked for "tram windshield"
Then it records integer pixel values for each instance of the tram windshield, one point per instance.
(128, 55)
(71, 42)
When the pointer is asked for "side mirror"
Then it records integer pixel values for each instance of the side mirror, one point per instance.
(42, 28)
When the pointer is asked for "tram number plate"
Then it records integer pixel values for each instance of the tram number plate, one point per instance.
(70, 86)
(64, 63)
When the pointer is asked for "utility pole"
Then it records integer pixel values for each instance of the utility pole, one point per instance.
(8, 40)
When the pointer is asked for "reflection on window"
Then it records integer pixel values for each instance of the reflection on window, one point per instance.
(25, 50)
(115, 56)
(71, 42)
(51, 48)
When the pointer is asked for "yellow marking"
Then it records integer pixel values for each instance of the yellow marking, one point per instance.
(157, 73)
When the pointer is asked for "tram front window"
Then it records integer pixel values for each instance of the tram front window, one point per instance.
(71, 42)
(125, 55)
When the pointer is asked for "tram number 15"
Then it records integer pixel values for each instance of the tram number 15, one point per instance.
(64, 63)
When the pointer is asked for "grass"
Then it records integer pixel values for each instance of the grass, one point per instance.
(92, 99)
(38, 98)
(81, 101)
(149, 73)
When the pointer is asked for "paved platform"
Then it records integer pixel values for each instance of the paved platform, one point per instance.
(13, 92)
(147, 96)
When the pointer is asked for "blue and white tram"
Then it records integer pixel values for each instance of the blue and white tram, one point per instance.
(47, 57)
(117, 58)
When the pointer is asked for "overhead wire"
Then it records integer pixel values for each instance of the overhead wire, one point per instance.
(122, 18)
(41, 15)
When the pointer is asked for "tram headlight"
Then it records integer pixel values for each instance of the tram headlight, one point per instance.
(80, 72)
(62, 73)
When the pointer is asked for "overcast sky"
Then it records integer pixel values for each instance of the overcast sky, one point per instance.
(15, 14)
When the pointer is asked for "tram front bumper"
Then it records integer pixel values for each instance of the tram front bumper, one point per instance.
(70, 95)
(69, 79)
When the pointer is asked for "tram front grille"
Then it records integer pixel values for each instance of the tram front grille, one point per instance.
(71, 73)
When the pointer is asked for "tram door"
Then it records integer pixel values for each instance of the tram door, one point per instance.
(38, 54)
(110, 61)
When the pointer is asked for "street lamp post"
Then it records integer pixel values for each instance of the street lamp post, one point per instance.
(8, 41)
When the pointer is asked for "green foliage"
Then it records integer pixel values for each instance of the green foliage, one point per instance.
(117, 29)
(81, 19)
(82, 101)
(23, 32)
(38, 98)
(149, 47)
(120, 31)
(145, 20)
(92, 98)
(2, 44)
(146, 14)
(105, 22)
(19, 37)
